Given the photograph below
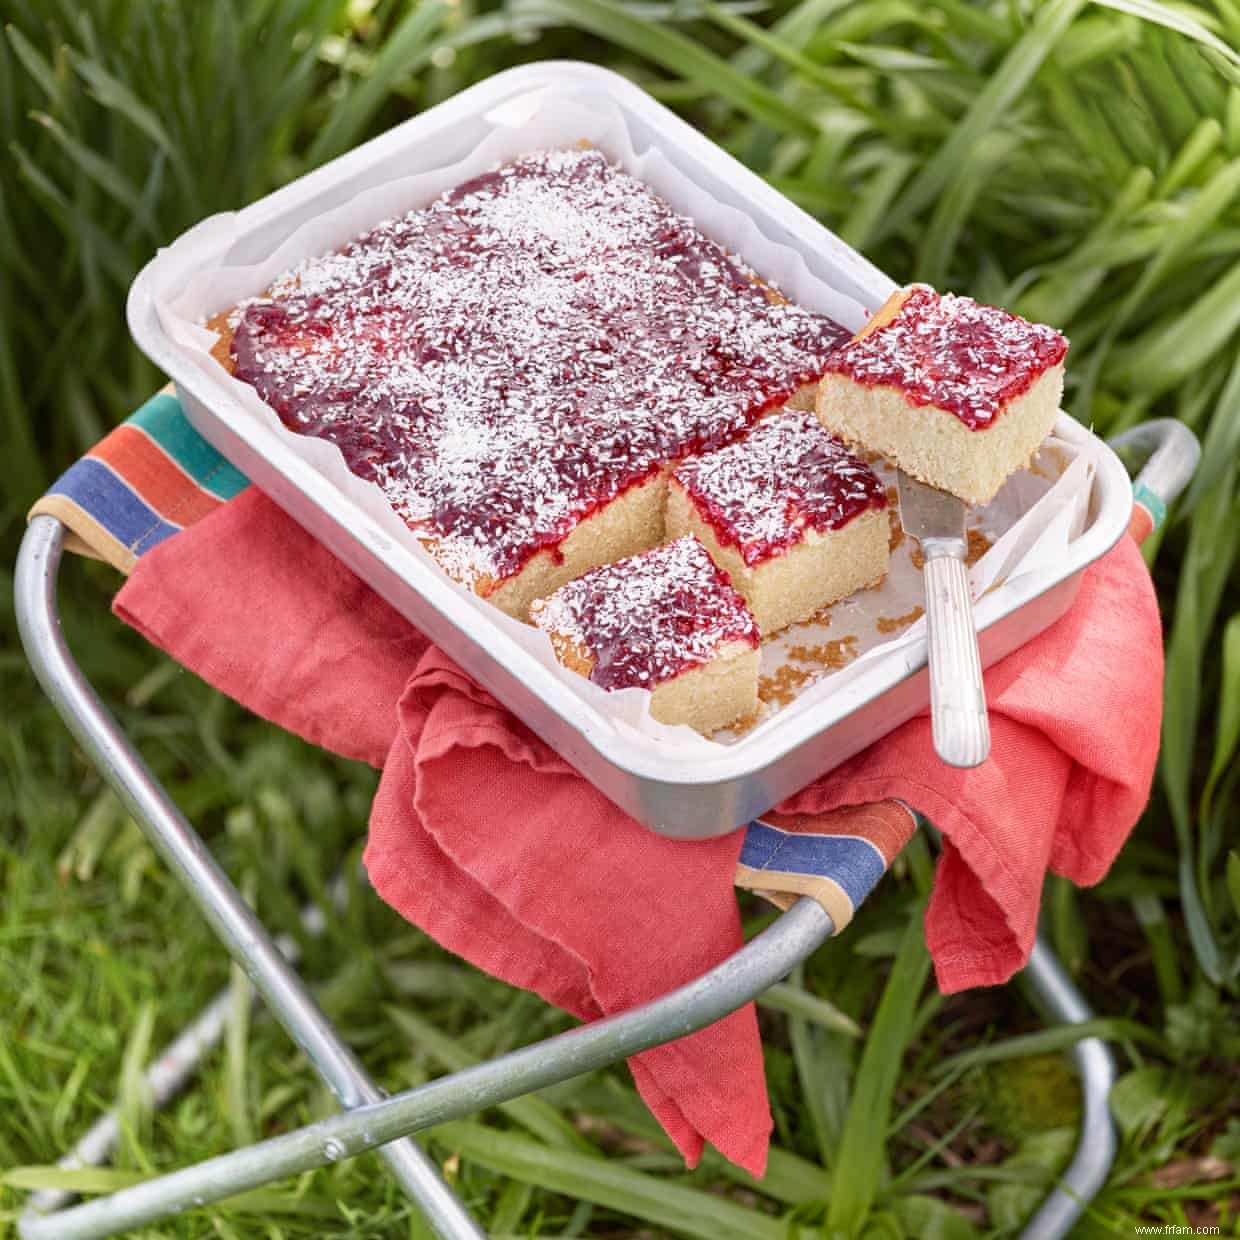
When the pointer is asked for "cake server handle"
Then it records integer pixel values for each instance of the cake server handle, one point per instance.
(957, 700)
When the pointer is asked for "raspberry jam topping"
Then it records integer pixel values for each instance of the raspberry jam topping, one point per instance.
(508, 359)
(969, 359)
(761, 493)
(648, 618)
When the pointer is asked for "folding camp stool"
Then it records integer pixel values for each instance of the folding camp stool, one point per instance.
(368, 1119)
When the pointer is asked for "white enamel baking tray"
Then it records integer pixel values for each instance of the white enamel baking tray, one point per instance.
(701, 795)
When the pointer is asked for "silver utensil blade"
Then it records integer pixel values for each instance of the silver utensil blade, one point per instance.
(929, 513)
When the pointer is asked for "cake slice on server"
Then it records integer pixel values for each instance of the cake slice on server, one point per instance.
(795, 520)
(958, 394)
(667, 621)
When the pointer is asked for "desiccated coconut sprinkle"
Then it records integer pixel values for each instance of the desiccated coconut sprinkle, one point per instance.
(953, 352)
(648, 618)
(761, 493)
(508, 359)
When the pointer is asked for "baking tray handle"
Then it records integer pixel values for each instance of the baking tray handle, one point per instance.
(1172, 455)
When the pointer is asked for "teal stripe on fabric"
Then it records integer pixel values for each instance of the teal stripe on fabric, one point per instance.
(1153, 504)
(161, 418)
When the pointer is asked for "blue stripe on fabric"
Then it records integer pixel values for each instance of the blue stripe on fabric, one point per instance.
(101, 494)
(854, 863)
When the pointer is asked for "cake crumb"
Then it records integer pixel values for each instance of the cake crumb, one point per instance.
(979, 544)
(748, 722)
(896, 538)
(897, 624)
(789, 680)
(781, 688)
(821, 619)
(831, 656)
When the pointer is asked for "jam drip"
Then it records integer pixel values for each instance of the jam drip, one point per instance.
(761, 493)
(515, 355)
(953, 352)
(646, 619)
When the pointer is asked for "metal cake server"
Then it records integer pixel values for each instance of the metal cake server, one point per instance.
(957, 700)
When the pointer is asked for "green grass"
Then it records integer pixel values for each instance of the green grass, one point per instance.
(1078, 162)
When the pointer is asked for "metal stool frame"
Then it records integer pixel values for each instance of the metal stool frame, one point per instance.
(368, 1119)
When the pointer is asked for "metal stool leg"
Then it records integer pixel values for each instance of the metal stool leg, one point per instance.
(187, 856)
(1096, 1147)
(1059, 999)
(740, 978)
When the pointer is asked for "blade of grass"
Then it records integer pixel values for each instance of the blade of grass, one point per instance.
(236, 1055)
(21, 469)
(85, 1180)
(114, 95)
(794, 28)
(1227, 731)
(1170, 102)
(1056, 1039)
(1092, 38)
(789, 1178)
(935, 1148)
(1220, 447)
(1214, 540)
(875, 199)
(355, 108)
(822, 1066)
(535, 1114)
(675, 52)
(796, 60)
(687, 1211)
(931, 1218)
(1057, 296)
(1177, 19)
(78, 230)
(1151, 916)
(1201, 144)
(37, 65)
(1194, 66)
(103, 172)
(862, 1151)
(795, 1001)
(955, 205)
(133, 1103)
(1172, 349)
(1207, 205)
(990, 107)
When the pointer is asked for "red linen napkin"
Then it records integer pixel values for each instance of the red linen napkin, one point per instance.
(498, 849)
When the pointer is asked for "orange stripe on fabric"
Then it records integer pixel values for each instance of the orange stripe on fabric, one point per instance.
(886, 824)
(1140, 524)
(158, 479)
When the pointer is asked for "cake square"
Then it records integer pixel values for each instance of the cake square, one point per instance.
(793, 518)
(958, 394)
(516, 364)
(668, 621)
